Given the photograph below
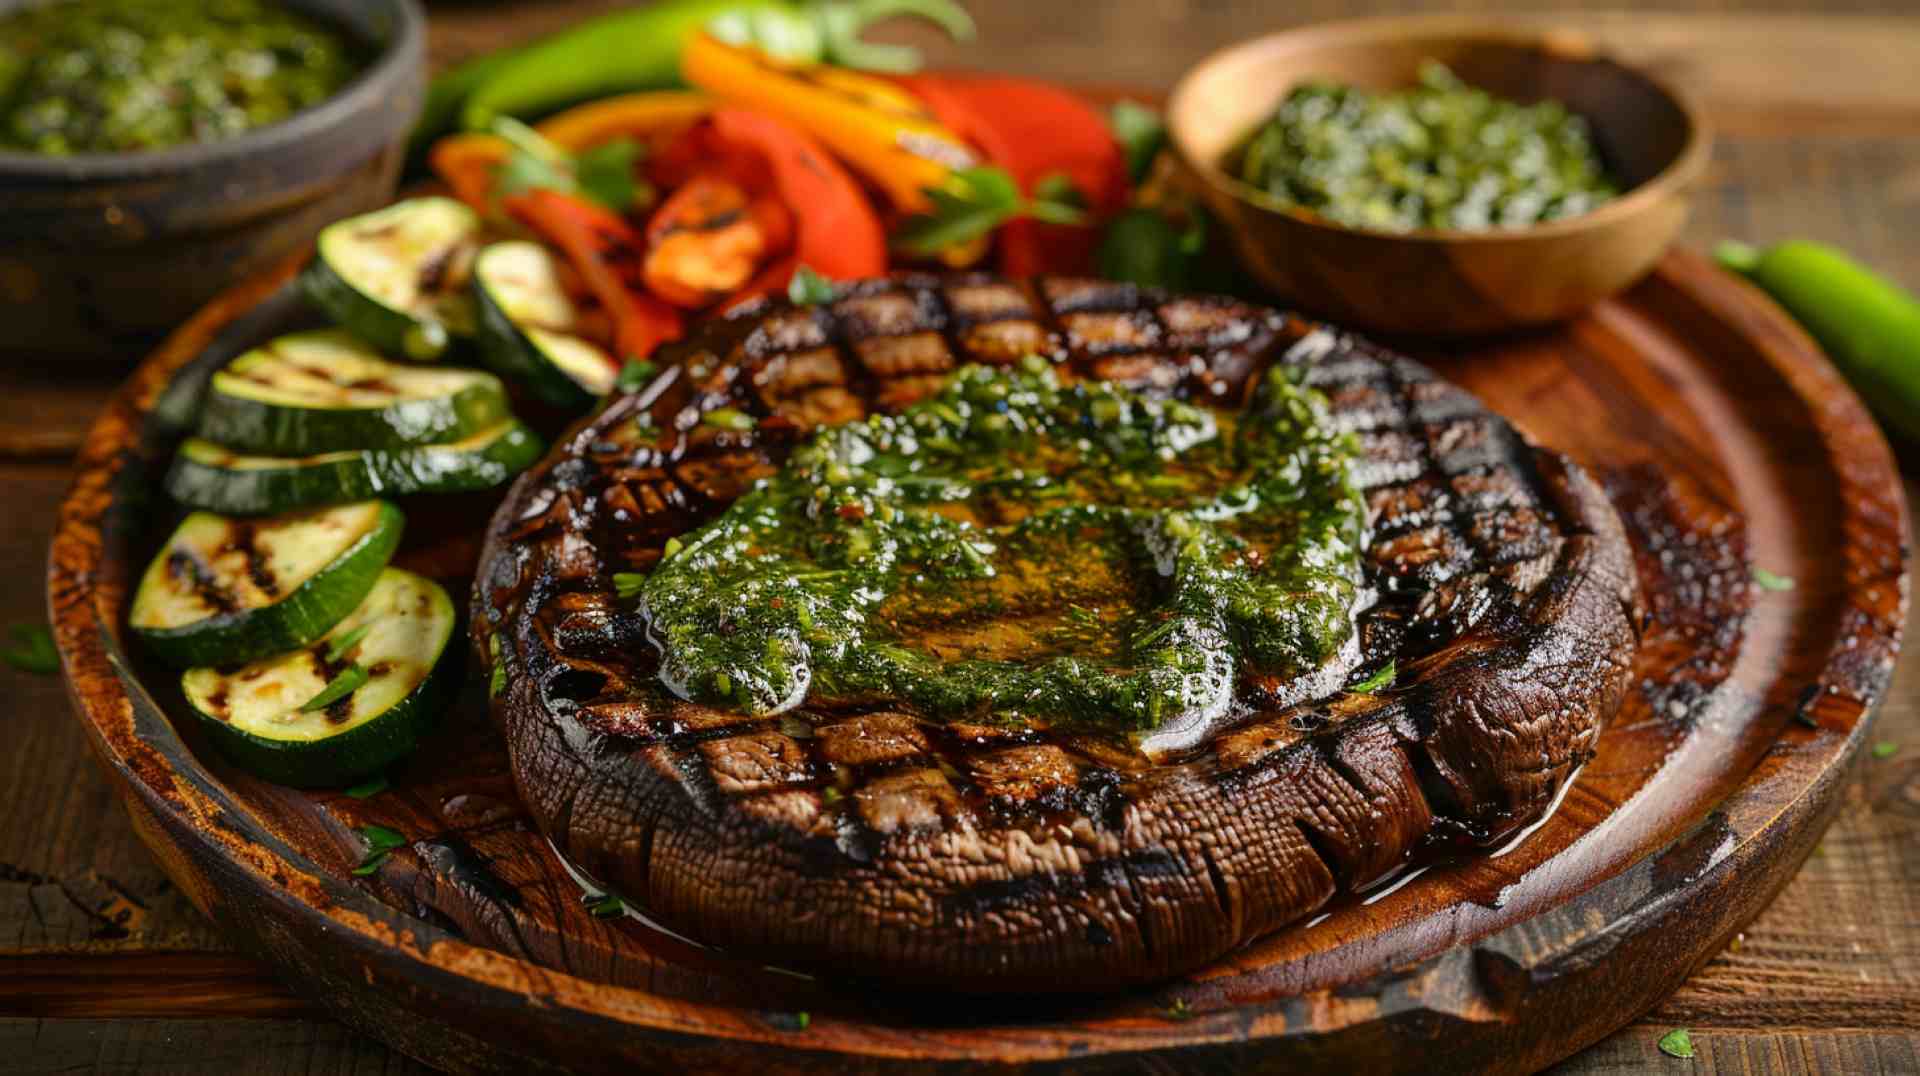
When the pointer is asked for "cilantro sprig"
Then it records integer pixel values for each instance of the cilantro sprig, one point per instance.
(604, 173)
(809, 288)
(978, 200)
(381, 842)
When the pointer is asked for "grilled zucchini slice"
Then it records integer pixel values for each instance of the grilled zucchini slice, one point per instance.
(528, 327)
(398, 276)
(224, 590)
(327, 391)
(263, 713)
(217, 479)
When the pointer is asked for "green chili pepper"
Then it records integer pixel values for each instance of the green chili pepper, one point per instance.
(447, 93)
(1869, 325)
(639, 49)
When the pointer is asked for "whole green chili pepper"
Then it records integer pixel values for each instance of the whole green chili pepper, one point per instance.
(1869, 325)
(639, 49)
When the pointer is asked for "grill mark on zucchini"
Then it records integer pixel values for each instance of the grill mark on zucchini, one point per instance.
(433, 271)
(258, 569)
(184, 565)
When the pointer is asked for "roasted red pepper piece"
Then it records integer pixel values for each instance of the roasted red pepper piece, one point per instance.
(603, 248)
(1034, 130)
(702, 243)
(835, 229)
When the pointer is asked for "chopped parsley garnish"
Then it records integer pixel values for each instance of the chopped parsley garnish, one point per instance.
(635, 375)
(33, 650)
(1180, 1010)
(381, 842)
(628, 584)
(727, 418)
(603, 174)
(340, 647)
(790, 1021)
(808, 288)
(606, 906)
(1767, 580)
(1677, 1043)
(977, 200)
(497, 679)
(1141, 132)
(1885, 749)
(369, 788)
(345, 682)
(1382, 677)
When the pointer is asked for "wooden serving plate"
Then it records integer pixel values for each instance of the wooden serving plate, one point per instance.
(1725, 438)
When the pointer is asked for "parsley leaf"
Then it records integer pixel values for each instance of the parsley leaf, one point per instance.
(348, 681)
(340, 647)
(790, 1021)
(1057, 201)
(33, 650)
(728, 418)
(1382, 677)
(1180, 1010)
(635, 375)
(369, 788)
(535, 163)
(381, 842)
(497, 680)
(1885, 749)
(1767, 580)
(1677, 1043)
(1141, 132)
(808, 288)
(605, 174)
(628, 584)
(607, 906)
(975, 201)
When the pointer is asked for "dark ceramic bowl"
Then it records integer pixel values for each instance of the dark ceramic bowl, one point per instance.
(102, 253)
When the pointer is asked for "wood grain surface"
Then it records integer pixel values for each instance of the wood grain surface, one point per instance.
(1820, 135)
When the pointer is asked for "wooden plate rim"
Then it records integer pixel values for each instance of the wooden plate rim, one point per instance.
(1793, 783)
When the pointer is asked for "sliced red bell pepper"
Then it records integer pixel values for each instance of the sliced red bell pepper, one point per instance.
(836, 231)
(603, 248)
(1034, 130)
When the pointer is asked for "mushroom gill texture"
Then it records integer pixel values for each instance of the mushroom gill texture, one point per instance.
(871, 842)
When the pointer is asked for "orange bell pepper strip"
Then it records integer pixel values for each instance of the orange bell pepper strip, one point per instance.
(885, 134)
(836, 230)
(644, 117)
(1033, 130)
(603, 248)
(468, 163)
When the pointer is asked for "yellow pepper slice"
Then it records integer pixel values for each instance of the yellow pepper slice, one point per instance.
(878, 127)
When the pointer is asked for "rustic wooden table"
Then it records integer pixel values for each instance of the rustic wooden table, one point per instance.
(104, 966)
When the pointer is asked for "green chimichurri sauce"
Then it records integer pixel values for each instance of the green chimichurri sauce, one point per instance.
(1441, 155)
(1014, 547)
(109, 76)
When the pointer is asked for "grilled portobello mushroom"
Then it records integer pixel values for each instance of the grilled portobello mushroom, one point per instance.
(874, 837)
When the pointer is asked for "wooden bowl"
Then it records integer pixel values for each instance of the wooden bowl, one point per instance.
(1434, 282)
(101, 253)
